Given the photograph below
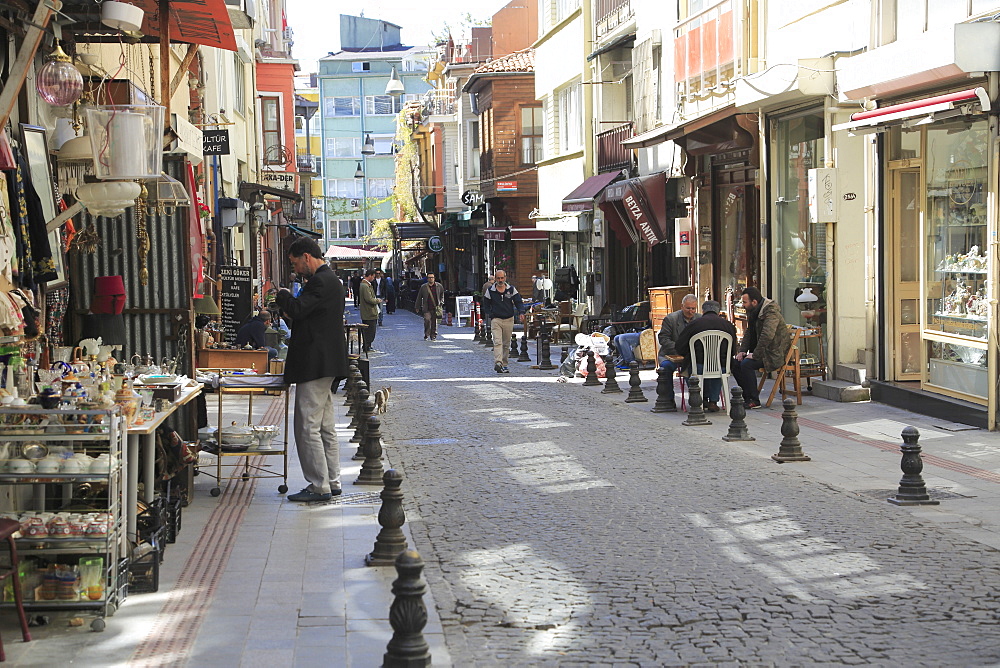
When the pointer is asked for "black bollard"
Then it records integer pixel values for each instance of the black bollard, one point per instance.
(912, 489)
(665, 401)
(790, 449)
(738, 413)
(563, 355)
(524, 356)
(610, 380)
(371, 469)
(363, 415)
(488, 339)
(591, 370)
(408, 615)
(356, 402)
(477, 323)
(513, 346)
(696, 411)
(634, 385)
(390, 541)
(351, 380)
(546, 361)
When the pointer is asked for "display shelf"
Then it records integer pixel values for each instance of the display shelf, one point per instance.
(961, 271)
(38, 496)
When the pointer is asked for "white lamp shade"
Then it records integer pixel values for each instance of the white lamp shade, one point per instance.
(127, 141)
(121, 16)
(108, 198)
(77, 148)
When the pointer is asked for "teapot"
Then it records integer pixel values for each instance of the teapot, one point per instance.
(91, 347)
(104, 353)
(168, 366)
(140, 367)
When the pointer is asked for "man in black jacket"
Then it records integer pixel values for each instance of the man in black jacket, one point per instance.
(253, 332)
(317, 357)
(710, 320)
(501, 303)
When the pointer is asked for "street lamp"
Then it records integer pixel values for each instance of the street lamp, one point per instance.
(368, 148)
(395, 86)
(360, 172)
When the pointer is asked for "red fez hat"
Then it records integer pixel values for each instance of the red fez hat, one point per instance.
(109, 295)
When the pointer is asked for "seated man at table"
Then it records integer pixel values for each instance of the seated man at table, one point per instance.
(671, 328)
(710, 320)
(253, 333)
(624, 345)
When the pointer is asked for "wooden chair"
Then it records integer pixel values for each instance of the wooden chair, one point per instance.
(570, 324)
(645, 352)
(7, 529)
(793, 370)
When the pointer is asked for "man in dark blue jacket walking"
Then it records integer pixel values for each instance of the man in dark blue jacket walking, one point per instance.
(502, 302)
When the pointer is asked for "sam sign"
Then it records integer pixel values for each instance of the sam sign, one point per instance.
(434, 245)
(215, 142)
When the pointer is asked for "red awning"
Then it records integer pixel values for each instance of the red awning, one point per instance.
(528, 234)
(203, 22)
(645, 201)
(610, 202)
(495, 234)
(582, 198)
(935, 108)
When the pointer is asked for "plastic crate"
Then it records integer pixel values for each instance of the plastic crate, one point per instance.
(173, 525)
(144, 573)
(153, 517)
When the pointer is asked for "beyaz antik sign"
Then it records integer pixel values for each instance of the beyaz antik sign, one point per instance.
(639, 211)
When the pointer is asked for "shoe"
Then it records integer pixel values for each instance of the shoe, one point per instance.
(751, 404)
(506, 370)
(309, 496)
(336, 492)
(622, 367)
(712, 407)
(434, 338)
(498, 367)
(426, 337)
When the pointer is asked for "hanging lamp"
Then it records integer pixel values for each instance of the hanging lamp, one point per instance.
(59, 82)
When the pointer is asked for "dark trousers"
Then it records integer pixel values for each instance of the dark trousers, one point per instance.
(368, 334)
(430, 325)
(745, 373)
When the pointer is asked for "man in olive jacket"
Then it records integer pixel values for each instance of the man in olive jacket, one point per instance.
(764, 346)
(317, 357)
(371, 309)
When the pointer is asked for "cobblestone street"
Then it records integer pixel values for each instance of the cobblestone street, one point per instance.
(563, 526)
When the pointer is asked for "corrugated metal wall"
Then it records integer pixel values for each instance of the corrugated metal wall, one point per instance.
(157, 315)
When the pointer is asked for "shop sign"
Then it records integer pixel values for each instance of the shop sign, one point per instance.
(472, 198)
(506, 186)
(640, 218)
(434, 244)
(215, 142)
(236, 299)
(283, 180)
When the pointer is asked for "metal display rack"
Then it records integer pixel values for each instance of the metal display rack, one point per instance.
(92, 432)
(242, 467)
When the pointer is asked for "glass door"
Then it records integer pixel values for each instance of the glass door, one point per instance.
(905, 272)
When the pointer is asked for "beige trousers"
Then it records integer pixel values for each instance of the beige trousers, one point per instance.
(502, 330)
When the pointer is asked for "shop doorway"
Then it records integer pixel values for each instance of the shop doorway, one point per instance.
(736, 232)
(904, 269)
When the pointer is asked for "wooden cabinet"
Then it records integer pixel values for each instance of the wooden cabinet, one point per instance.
(216, 358)
(665, 300)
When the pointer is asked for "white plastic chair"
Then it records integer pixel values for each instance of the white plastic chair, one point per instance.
(717, 346)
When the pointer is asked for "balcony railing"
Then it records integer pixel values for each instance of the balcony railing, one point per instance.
(611, 155)
(609, 14)
(306, 163)
(707, 49)
(439, 102)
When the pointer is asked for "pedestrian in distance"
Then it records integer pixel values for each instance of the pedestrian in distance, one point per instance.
(430, 298)
(764, 345)
(317, 359)
(390, 289)
(371, 309)
(502, 303)
(381, 286)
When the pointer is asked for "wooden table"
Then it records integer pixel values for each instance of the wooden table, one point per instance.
(145, 434)
(232, 358)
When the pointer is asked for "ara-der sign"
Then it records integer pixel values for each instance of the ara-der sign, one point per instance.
(215, 142)
(236, 299)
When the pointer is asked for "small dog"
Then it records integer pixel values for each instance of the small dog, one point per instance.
(382, 399)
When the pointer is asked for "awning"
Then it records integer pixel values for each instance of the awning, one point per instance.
(645, 203)
(528, 234)
(204, 22)
(348, 253)
(612, 45)
(495, 234)
(582, 197)
(930, 109)
(412, 231)
(302, 232)
(246, 188)
(570, 223)
(610, 203)
(665, 133)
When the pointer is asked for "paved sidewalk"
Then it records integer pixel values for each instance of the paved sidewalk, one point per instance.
(253, 580)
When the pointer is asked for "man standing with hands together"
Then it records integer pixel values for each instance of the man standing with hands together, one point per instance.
(317, 357)
(502, 302)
